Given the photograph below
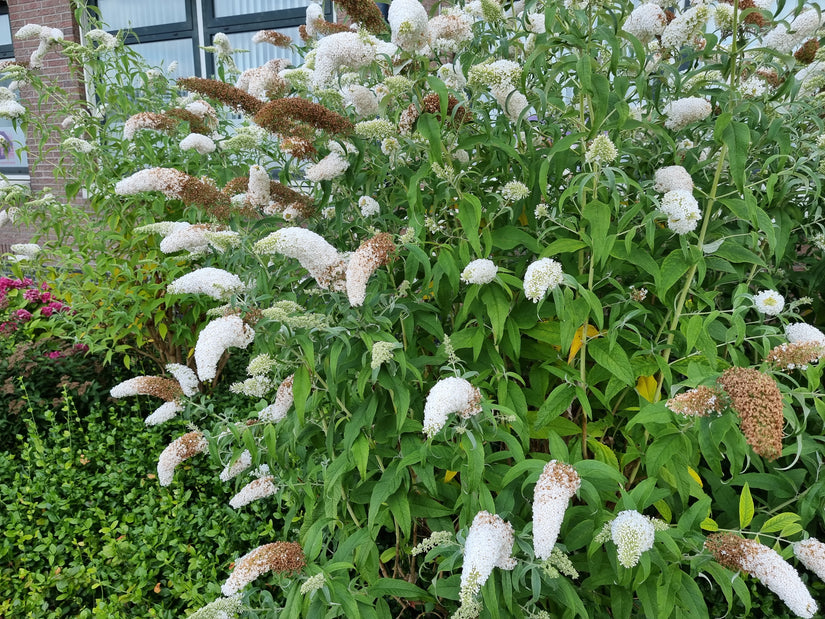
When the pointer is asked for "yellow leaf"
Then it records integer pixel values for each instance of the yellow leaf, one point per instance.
(577, 340)
(709, 524)
(646, 386)
(696, 477)
(522, 219)
(448, 476)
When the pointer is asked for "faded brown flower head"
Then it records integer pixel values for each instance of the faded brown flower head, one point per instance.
(164, 388)
(302, 31)
(273, 37)
(152, 121)
(729, 549)
(227, 94)
(366, 13)
(282, 197)
(326, 28)
(754, 18)
(766, 565)
(699, 402)
(372, 254)
(757, 400)
(196, 124)
(280, 557)
(431, 104)
(177, 451)
(771, 77)
(281, 115)
(806, 53)
(796, 356)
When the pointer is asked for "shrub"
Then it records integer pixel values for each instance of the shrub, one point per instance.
(507, 253)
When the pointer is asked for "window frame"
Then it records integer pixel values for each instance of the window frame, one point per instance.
(201, 24)
(20, 172)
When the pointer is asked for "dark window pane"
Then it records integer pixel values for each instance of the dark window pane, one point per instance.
(161, 53)
(5, 30)
(231, 8)
(130, 14)
(259, 53)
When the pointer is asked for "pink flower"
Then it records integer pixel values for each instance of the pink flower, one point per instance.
(23, 315)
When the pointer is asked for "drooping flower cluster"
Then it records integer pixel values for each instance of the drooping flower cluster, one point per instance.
(682, 210)
(683, 112)
(256, 489)
(686, 28)
(237, 466)
(201, 144)
(321, 259)
(796, 356)
(449, 395)
(48, 39)
(489, 545)
(481, 271)
(765, 564)
(646, 22)
(408, 23)
(633, 534)
(557, 484)
(284, 398)
(699, 402)
(673, 177)
(542, 276)
(802, 332)
(215, 283)
(281, 557)
(785, 38)
(757, 400)
(371, 254)
(215, 338)
(811, 552)
(168, 390)
(188, 445)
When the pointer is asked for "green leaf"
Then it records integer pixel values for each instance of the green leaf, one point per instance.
(779, 522)
(498, 309)
(399, 588)
(709, 524)
(360, 453)
(563, 246)
(746, 509)
(613, 359)
(598, 215)
(469, 214)
(733, 252)
(674, 266)
(556, 403)
(300, 390)
(737, 138)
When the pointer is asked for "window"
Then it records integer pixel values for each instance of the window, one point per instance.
(163, 31)
(13, 161)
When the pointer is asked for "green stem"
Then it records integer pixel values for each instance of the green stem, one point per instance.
(680, 301)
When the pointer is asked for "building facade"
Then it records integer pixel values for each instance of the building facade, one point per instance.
(162, 31)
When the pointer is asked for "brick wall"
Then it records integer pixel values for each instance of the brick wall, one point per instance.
(56, 14)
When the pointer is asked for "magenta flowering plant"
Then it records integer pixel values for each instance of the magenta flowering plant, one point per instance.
(25, 307)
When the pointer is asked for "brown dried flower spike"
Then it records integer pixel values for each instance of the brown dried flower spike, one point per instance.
(225, 93)
(280, 557)
(365, 12)
(281, 115)
(699, 402)
(757, 400)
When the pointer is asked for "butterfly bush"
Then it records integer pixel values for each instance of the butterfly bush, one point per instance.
(553, 219)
